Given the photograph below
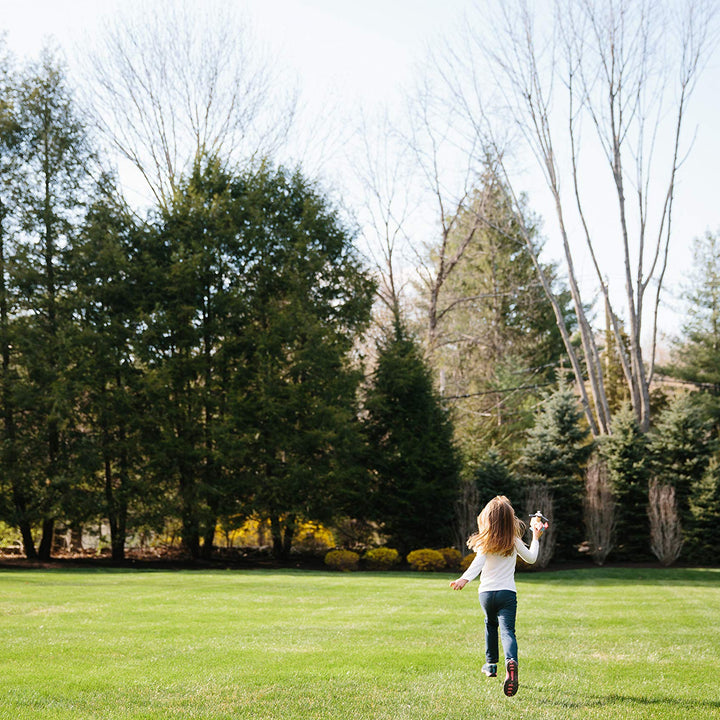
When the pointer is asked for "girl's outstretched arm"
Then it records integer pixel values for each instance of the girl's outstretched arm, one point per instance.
(470, 574)
(458, 584)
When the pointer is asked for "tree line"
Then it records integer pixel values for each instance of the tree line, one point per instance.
(202, 363)
(228, 354)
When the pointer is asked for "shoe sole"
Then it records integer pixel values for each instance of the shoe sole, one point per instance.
(510, 686)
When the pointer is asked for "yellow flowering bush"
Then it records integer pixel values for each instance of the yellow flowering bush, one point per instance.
(426, 560)
(382, 558)
(344, 560)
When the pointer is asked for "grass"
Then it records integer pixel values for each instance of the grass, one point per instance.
(112, 644)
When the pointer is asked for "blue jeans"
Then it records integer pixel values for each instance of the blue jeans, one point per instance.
(500, 608)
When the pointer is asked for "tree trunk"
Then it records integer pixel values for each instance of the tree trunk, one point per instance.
(288, 536)
(45, 549)
(27, 538)
(208, 540)
(277, 539)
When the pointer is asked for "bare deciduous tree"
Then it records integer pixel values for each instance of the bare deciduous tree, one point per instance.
(599, 511)
(666, 540)
(180, 80)
(625, 70)
(382, 169)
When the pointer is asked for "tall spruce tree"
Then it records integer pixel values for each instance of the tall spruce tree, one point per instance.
(626, 452)
(681, 447)
(254, 301)
(51, 193)
(15, 505)
(102, 368)
(414, 464)
(695, 356)
(191, 269)
(309, 299)
(705, 509)
(555, 454)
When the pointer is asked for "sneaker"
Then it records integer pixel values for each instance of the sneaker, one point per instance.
(510, 686)
(490, 669)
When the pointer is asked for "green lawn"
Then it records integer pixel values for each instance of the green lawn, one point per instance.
(593, 643)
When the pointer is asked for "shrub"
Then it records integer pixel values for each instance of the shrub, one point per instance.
(382, 558)
(465, 562)
(426, 560)
(452, 557)
(666, 539)
(344, 560)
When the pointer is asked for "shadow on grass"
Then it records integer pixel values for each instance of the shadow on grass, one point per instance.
(618, 700)
(700, 577)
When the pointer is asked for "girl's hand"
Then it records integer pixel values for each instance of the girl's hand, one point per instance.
(538, 527)
(458, 584)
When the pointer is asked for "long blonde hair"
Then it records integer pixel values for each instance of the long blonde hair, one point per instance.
(498, 527)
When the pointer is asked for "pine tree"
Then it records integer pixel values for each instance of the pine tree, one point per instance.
(496, 342)
(626, 453)
(55, 178)
(414, 464)
(681, 447)
(493, 476)
(705, 511)
(107, 380)
(556, 451)
(15, 502)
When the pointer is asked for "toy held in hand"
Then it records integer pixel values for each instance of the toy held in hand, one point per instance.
(539, 522)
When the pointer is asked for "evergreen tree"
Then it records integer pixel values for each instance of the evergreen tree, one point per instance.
(414, 464)
(497, 341)
(105, 377)
(191, 273)
(15, 503)
(681, 447)
(493, 476)
(255, 297)
(52, 189)
(626, 452)
(556, 452)
(307, 299)
(705, 511)
(696, 355)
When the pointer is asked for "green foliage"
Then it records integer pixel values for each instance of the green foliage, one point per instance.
(556, 451)
(614, 382)
(626, 452)
(343, 560)
(696, 354)
(415, 469)
(496, 329)
(493, 476)
(426, 560)
(306, 299)
(705, 511)
(51, 181)
(681, 447)
(381, 558)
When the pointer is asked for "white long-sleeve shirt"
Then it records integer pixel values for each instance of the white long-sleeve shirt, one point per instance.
(497, 572)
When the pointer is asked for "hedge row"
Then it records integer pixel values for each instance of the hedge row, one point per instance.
(383, 558)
